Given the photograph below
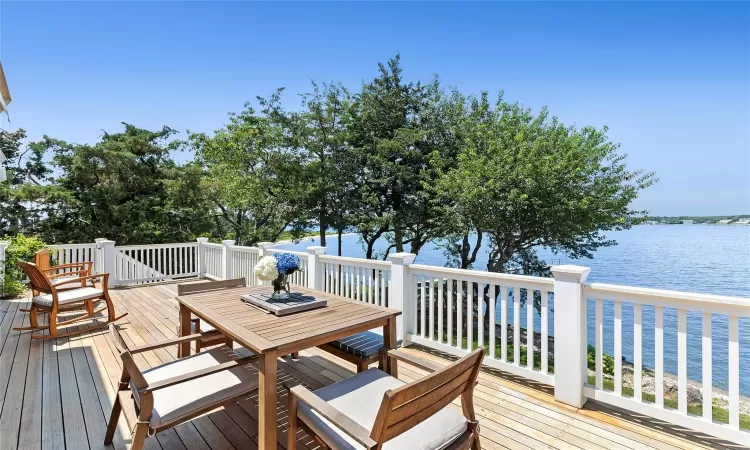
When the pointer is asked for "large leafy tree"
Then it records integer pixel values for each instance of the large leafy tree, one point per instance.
(119, 188)
(252, 179)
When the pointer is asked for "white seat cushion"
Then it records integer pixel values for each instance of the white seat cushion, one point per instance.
(175, 402)
(359, 398)
(69, 296)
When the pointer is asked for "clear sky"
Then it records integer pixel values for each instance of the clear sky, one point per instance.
(671, 80)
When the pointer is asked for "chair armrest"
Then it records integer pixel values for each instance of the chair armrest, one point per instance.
(179, 340)
(198, 374)
(416, 361)
(105, 276)
(350, 427)
(85, 265)
(77, 273)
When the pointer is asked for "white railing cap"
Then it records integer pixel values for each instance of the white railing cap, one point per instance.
(570, 272)
(227, 242)
(316, 250)
(202, 240)
(4, 243)
(402, 258)
(265, 245)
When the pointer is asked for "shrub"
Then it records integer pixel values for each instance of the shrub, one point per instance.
(608, 361)
(21, 248)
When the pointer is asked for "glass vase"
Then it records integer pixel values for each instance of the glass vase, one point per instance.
(280, 287)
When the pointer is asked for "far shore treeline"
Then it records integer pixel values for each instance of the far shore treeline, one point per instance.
(411, 162)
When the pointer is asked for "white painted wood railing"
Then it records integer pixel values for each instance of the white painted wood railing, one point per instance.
(74, 253)
(3, 246)
(355, 278)
(212, 260)
(156, 262)
(457, 311)
(298, 278)
(243, 261)
(723, 312)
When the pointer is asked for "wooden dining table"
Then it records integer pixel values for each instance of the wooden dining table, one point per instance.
(270, 336)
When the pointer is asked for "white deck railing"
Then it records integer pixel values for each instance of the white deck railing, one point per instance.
(445, 309)
(74, 253)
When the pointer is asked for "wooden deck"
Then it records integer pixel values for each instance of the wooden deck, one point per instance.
(58, 394)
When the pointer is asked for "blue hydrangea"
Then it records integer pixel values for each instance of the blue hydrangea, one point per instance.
(287, 263)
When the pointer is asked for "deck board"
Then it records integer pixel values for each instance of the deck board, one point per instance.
(58, 394)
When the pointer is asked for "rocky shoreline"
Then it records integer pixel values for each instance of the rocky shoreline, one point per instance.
(695, 393)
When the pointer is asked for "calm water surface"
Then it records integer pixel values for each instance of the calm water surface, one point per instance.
(708, 259)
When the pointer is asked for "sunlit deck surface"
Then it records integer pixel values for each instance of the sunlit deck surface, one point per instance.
(58, 394)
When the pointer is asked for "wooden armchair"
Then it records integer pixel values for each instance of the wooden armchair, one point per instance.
(345, 415)
(199, 325)
(173, 393)
(63, 272)
(64, 296)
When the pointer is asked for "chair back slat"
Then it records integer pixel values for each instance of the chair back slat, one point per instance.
(42, 259)
(412, 404)
(192, 288)
(37, 279)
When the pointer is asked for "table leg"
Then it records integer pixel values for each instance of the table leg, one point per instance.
(183, 349)
(267, 401)
(390, 341)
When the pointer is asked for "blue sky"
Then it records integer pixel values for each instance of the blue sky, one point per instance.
(671, 80)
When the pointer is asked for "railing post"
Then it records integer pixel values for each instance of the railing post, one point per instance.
(400, 297)
(202, 256)
(263, 251)
(570, 334)
(108, 257)
(3, 246)
(98, 259)
(226, 259)
(314, 267)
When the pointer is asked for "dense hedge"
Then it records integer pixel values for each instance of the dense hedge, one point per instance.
(21, 248)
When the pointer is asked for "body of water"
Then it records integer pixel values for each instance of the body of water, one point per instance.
(707, 259)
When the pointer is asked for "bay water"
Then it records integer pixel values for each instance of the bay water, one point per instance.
(710, 259)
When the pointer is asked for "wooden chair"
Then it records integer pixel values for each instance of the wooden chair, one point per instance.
(197, 324)
(63, 272)
(345, 415)
(55, 298)
(173, 393)
(361, 349)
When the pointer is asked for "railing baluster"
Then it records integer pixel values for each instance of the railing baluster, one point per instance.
(480, 313)
(545, 332)
(682, 361)
(491, 295)
(440, 309)
(504, 323)
(469, 316)
(618, 347)
(599, 344)
(637, 351)
(530, 328)
(659, 355)
(433, 303)
(734, 373)
(516, 326)
(707, 389)
(459, 313)
(450, 284)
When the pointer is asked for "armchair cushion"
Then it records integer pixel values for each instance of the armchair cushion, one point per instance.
(359, 398)
(68, 296)
(362, 345)
(173, 403)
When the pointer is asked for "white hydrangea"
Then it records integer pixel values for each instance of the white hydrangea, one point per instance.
(266, 269)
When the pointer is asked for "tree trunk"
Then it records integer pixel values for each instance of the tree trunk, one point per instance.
(340, 231)
(321, 222)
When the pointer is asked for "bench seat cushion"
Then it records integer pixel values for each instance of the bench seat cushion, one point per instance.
(68, 296)
(362, 345)
(359, 398)
(173, 403)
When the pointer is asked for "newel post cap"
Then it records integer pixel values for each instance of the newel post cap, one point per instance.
(265, 245)
(227, 242)
(202, 240)
(402, 259)
(570, 273)
(316, 250)
(4, 243)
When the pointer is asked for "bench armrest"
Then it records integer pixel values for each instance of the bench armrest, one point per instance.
(179, 340)
(350, 427)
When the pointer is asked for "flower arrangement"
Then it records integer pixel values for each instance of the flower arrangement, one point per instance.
(276, 269)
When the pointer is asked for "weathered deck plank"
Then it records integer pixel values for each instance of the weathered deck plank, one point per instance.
(58, 394)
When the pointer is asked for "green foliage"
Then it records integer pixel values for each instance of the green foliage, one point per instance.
(608, 361)
(22, 248)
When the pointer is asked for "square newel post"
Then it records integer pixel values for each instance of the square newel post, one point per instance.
(107, 257)
(315, 268)
(98, 259)
(570, 334)
(400, 296)
(3, 246)
(202, 256)
(226, 259)
(263, 248)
